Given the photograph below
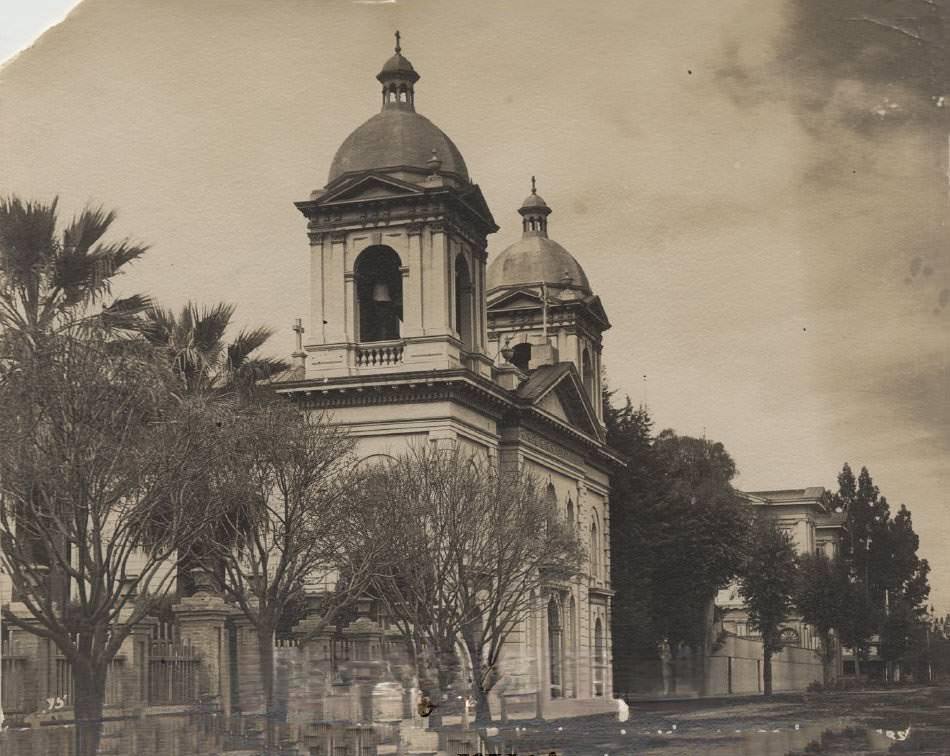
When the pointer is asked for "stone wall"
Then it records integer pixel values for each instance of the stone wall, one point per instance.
(737, 668)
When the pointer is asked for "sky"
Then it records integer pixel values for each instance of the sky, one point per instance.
(757, 192)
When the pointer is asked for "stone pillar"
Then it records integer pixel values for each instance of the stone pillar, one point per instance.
(366, 645)
(314, 670)
(248, 666)
(38, 656)
(202, 622)
(137, 650)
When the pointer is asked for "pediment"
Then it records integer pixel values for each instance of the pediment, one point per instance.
(564, 397)
(515, 299)
(475, 201)
(552, 403)
(596, 308)
(370, 187)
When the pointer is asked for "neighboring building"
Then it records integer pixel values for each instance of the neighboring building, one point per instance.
(415, 339)
(814, 530)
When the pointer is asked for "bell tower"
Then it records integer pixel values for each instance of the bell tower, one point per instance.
(398, 240)
(542, 310)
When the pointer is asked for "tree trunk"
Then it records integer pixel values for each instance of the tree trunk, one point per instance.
(430, 681)
(265, 646)
(767, 670)
(482, 709)
(89, 691)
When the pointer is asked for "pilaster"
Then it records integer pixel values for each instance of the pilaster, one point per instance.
(334, 290)
(413, 309)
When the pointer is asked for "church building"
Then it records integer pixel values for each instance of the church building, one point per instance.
(415, 338)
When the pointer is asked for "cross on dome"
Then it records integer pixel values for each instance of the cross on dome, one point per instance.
(535, 211)
(398, 78)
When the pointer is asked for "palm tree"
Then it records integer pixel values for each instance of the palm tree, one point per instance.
(204, 361)
(221, 371)
(50, 279)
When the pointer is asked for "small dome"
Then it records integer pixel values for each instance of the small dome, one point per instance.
(535, 259)
(393, 138)
(398, 65)
(534, 201)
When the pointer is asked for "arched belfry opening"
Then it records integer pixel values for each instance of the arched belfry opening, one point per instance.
(587, 373)
(464, 297)
(521, 356)
(378, 294)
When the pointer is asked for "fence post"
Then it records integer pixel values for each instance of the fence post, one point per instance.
(201, 620)
(137, 670)
(38, 655)
(308, 697)
(250, 691)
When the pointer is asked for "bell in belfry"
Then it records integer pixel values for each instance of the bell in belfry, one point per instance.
(381, 293)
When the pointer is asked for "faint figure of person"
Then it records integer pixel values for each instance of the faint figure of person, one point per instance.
(666, 665)
(623, 711)
(425, 706)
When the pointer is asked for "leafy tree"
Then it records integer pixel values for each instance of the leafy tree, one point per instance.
(629, 432)
(767, 584)
(97, 471)
(677, 535)
(881, 554)
(823, 591)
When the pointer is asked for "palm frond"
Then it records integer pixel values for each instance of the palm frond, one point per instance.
(87, 228)
(262, 369)
(126, 313)
(160, 323)
(27, 239)
(239, 350)
(208, 327)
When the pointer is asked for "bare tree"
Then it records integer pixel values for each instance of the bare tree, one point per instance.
(97, 484)
(283, 496)
(412, 509)
(471, 546)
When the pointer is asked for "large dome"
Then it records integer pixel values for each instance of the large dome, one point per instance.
(397, 137)
(537, 259)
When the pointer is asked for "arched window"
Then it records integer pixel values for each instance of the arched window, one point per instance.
(570, 511)
(463, 303)
(594, 550)
(555, 649)
(587, 373)
(600, 659)
(378, 294)
(521, 358)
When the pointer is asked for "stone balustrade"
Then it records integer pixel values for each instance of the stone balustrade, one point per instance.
(380, 353)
